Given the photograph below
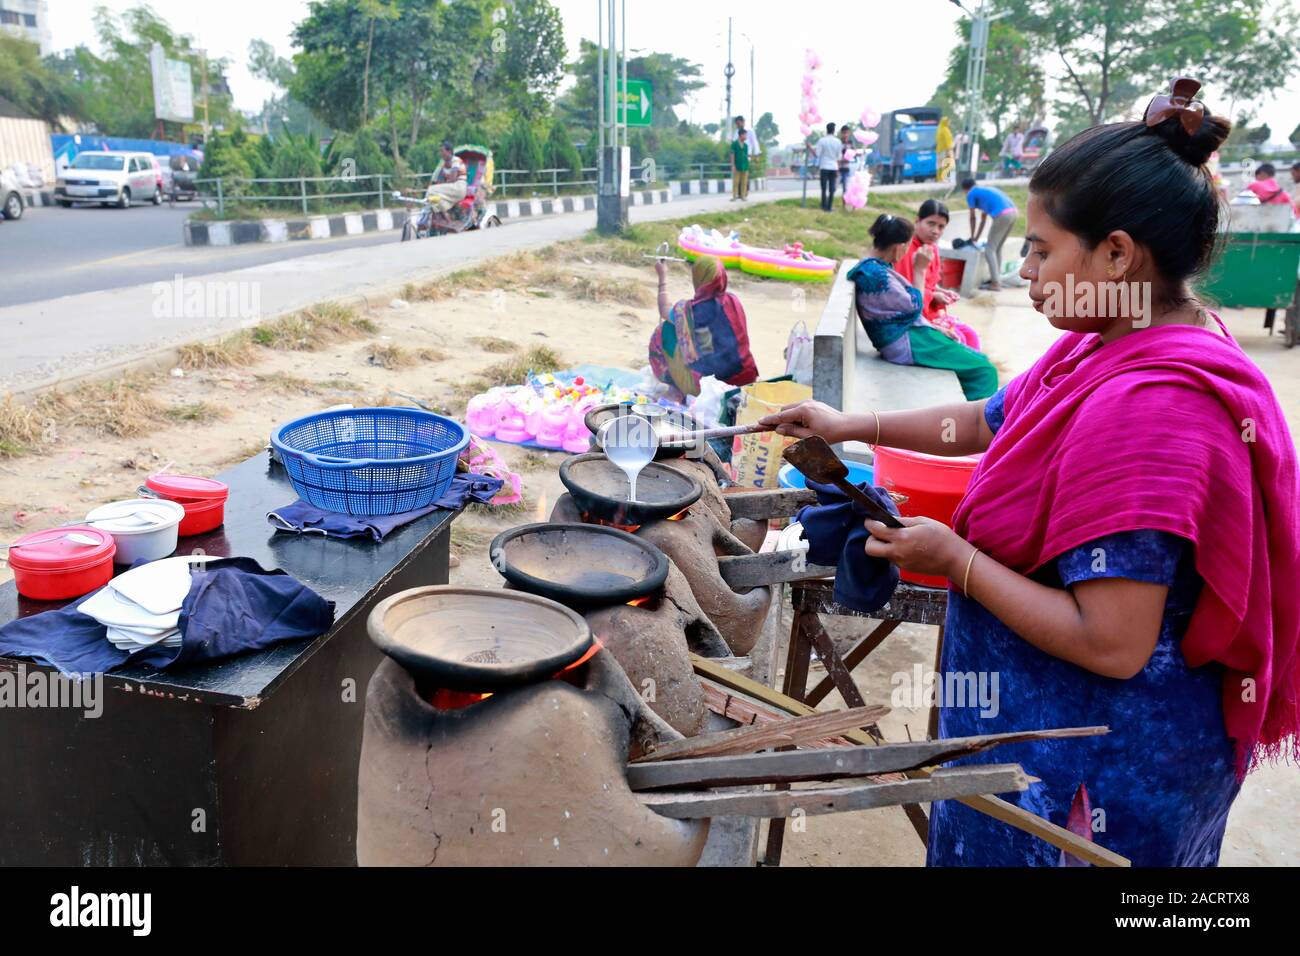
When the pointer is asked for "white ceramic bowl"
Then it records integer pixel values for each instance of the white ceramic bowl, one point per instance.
(145, 529)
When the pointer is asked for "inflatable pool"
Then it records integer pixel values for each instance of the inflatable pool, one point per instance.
(792, 262)
(694, 245)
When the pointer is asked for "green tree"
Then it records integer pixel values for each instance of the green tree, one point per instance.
(767, 131)
(1114, 53)
(36, 87)
(117, 85)
(1014, 83)
(672, 79)
(560, 152)
(283, 113)
(522, 149)
(529, 52)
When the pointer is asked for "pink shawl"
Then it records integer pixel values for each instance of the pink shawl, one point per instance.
(1171, 429)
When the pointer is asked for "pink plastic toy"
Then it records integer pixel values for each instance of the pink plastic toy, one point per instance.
(552, 423)
(577, 438)
(512, 420)
(483, 412)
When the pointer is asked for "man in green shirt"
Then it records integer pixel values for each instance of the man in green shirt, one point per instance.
(740, 166)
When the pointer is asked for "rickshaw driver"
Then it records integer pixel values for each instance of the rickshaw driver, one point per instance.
(448, 186)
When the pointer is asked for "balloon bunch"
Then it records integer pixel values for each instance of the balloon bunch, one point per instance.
(855, 194)
(810, 114)
(865, 134)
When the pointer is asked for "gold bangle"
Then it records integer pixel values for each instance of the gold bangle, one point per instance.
(966, 580)
(877, 441)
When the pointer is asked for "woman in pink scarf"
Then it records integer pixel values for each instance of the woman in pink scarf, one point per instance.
(1128, 549)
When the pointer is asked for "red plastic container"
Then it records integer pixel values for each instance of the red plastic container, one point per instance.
(48, 566)
(204, 500)
(950, 272)
(933, 485)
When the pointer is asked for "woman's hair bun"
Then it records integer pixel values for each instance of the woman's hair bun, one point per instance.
(1198, 147)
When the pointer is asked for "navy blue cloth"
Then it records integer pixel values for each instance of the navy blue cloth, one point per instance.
(837, 538)
(233, 606)
(303, 518)
(1163, 777)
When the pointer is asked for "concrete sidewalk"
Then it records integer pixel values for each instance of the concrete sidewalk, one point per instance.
(45, 342)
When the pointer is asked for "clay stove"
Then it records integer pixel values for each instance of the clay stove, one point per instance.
(532, 774)
(683, 512)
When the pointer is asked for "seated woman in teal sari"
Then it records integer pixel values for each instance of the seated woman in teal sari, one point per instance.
(890, 310)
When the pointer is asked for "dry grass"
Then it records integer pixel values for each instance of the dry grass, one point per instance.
(533, 461)
(515, 370)
(121, 407)
(432, 355)
(465, 537)
(201, 413)
(596, 288)
(490, 343)
(313, 328)
(389, 355)
(231, 352)
(285, 382)
(21, 429)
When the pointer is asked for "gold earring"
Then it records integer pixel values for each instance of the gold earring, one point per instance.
(1110, 270)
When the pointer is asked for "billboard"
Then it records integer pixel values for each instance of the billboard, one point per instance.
(173, 87)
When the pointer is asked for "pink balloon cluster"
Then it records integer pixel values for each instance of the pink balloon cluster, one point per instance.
(855, 195)
(810, 110)
(868, 119)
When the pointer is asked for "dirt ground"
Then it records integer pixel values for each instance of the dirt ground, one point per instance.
(227, 414)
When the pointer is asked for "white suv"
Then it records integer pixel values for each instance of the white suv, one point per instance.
(109, 178)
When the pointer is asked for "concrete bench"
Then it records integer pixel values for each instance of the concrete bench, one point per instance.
(974, 264)
(849, 374)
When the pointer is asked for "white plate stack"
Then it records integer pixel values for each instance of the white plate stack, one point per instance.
(142, 607)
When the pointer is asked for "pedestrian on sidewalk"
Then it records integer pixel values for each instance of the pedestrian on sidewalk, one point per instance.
(828, 151)
(740, 166)
(993, 204)
(897, 161)
(846, 165)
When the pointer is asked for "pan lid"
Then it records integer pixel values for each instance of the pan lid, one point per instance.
(193, 487)
(137, 516)
(61, 549)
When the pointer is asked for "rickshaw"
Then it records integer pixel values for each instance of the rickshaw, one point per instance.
(1033, 149)
(470, 213)
(1259, 267)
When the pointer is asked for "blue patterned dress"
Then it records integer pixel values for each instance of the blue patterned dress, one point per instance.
(1162, 779)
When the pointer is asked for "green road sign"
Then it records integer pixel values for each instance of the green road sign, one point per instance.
(635, 101)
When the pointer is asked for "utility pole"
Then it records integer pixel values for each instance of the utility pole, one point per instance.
(729, 72)
(981, 20)
(207, 127)
(613, 174)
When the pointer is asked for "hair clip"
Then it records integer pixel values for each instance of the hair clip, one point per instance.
(1179, 102)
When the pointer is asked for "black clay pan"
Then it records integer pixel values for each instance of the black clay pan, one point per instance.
(478, 639)
(672, 421)
(583, 566)
(599, 489)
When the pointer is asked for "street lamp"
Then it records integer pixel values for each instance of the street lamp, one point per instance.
(753, 118)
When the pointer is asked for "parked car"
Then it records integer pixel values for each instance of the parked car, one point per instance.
(110, 178)
(11, 200)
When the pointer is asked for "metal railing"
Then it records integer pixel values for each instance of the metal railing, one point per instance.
(375, 190)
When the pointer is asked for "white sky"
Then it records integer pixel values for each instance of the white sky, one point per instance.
(874, 53)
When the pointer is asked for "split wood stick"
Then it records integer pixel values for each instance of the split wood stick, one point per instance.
(950, 784)
(997, 809)
(790, 731)
(794, 766)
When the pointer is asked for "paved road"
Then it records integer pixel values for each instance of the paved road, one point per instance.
(54, 252)
(51, 338)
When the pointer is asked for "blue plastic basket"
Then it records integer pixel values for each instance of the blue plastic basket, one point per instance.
(371, 461)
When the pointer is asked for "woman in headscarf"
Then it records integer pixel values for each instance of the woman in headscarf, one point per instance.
(889, 307)
(703, 335)
(1127, 550)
